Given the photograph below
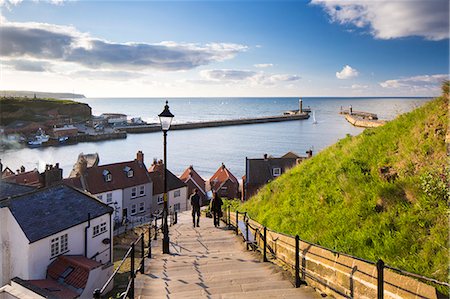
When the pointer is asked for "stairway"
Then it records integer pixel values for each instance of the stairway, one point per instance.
(209, 262)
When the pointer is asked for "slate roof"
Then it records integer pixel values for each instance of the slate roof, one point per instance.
(259, 171)
(48, 211)
(191, 174)
(222, 175)
(11, 189)
(156, 173)
(96, 183)
(78, 277)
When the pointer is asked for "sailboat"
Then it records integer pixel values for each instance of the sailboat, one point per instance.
(314, 118)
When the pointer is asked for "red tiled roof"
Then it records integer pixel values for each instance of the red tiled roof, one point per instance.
(80, 273)
(53, 289)
(96, 182)
(156, 173)
(74, 182)
(30, 178)
(191, 174)
(222, 175)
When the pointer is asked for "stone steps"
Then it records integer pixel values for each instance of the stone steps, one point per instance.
(209, 262)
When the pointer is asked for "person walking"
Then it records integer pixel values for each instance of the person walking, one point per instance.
(216, 208)
(195, 203)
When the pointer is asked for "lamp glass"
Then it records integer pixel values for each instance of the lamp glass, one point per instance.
(165, 118)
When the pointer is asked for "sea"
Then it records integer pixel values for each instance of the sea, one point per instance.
(206, 149)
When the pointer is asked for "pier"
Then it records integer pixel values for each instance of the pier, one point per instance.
(215, 123)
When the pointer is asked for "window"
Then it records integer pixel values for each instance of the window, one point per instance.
(176, 193)
(141, 206)
(108, 197)
(128, 171)
(107, 175)
(133, 209)
(99, 229)
(176, 207)
(59, 245)
(142, 190)
(133, 192)
(100, 197)
(160, 199)
(276, 171)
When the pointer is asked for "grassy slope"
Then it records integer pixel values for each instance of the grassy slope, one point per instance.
(338, 198)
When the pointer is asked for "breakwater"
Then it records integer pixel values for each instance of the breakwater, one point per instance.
(364, 123)
(215, 123)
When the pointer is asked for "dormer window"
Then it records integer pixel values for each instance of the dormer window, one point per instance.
(107, 175)
(276, 172)
(128, 171)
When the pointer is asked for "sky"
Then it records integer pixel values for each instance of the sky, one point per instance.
(247, 48)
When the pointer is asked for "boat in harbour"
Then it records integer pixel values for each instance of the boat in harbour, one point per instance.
(39, 139)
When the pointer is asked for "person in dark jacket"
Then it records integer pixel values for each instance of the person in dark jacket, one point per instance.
(216, 208)
(195, 203)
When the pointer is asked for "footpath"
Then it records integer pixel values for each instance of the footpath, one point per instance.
(209, 262)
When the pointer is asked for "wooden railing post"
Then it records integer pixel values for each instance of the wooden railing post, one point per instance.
(380, 279)
(176, 217)
(142, 254)
(156, 228)
(265, 245)
(229, 216)
(149, 255)
(297, 261)
(246, 232)
(237, 217)
(132, 272)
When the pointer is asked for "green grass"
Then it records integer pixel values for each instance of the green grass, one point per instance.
(339, 199)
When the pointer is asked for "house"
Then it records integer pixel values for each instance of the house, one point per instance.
(194, 181)
(115, 119)
(224, 183)
(65, 131)
(177, 196)
(126, 186)
(45, 227)
(51, 175)
(259, 172)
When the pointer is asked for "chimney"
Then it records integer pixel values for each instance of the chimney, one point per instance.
(155, 161)
(52, 175)
(22, 169)
(300, 105)
(265, 157)
(191, 167)
(309, 152)
(140, 157)
(223, 166)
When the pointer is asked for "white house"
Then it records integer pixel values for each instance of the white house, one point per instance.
(37, 228)
(176, 190)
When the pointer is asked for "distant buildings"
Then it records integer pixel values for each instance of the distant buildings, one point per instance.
(51, 176)
(224, 183)
(261, 171)
(47, 235)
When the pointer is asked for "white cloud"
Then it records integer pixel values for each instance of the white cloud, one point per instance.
(347, 72)
(48, 42)
(359, 86)
(422, 82)
(389, 19)
(263, 65)
(224, 76)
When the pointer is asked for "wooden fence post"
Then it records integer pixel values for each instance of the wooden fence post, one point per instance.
(380, 279)
(265, 245)
(297, 261)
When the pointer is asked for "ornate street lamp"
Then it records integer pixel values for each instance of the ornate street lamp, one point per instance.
(165, 118)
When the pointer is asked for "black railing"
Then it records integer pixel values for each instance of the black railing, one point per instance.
(130, 254)
(300, 271)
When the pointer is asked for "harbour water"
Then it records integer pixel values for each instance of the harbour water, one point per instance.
(207, 148)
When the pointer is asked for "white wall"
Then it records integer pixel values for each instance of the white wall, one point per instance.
(14, 249)
(182, 199)
(30, 261)
(117, 196)
(97, 279)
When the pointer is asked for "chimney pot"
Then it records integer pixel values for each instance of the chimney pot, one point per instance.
(265, 156)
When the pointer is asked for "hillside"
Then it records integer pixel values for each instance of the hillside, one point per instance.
(41, 110)
(40, 94)
(381, 194)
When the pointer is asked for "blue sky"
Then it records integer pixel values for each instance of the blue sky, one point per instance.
(226, 48)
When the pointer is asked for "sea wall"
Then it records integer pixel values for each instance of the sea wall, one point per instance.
(337, 274)
(211, 124)
(365, 123)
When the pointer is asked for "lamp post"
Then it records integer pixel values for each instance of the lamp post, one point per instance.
(165, 118)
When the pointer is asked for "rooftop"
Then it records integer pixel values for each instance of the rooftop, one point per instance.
(8, 189)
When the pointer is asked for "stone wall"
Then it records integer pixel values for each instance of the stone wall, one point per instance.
(336, 274)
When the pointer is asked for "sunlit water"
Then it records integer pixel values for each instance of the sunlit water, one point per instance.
(207, 148)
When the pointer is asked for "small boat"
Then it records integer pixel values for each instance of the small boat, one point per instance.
(38, 139)
(314, 118)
